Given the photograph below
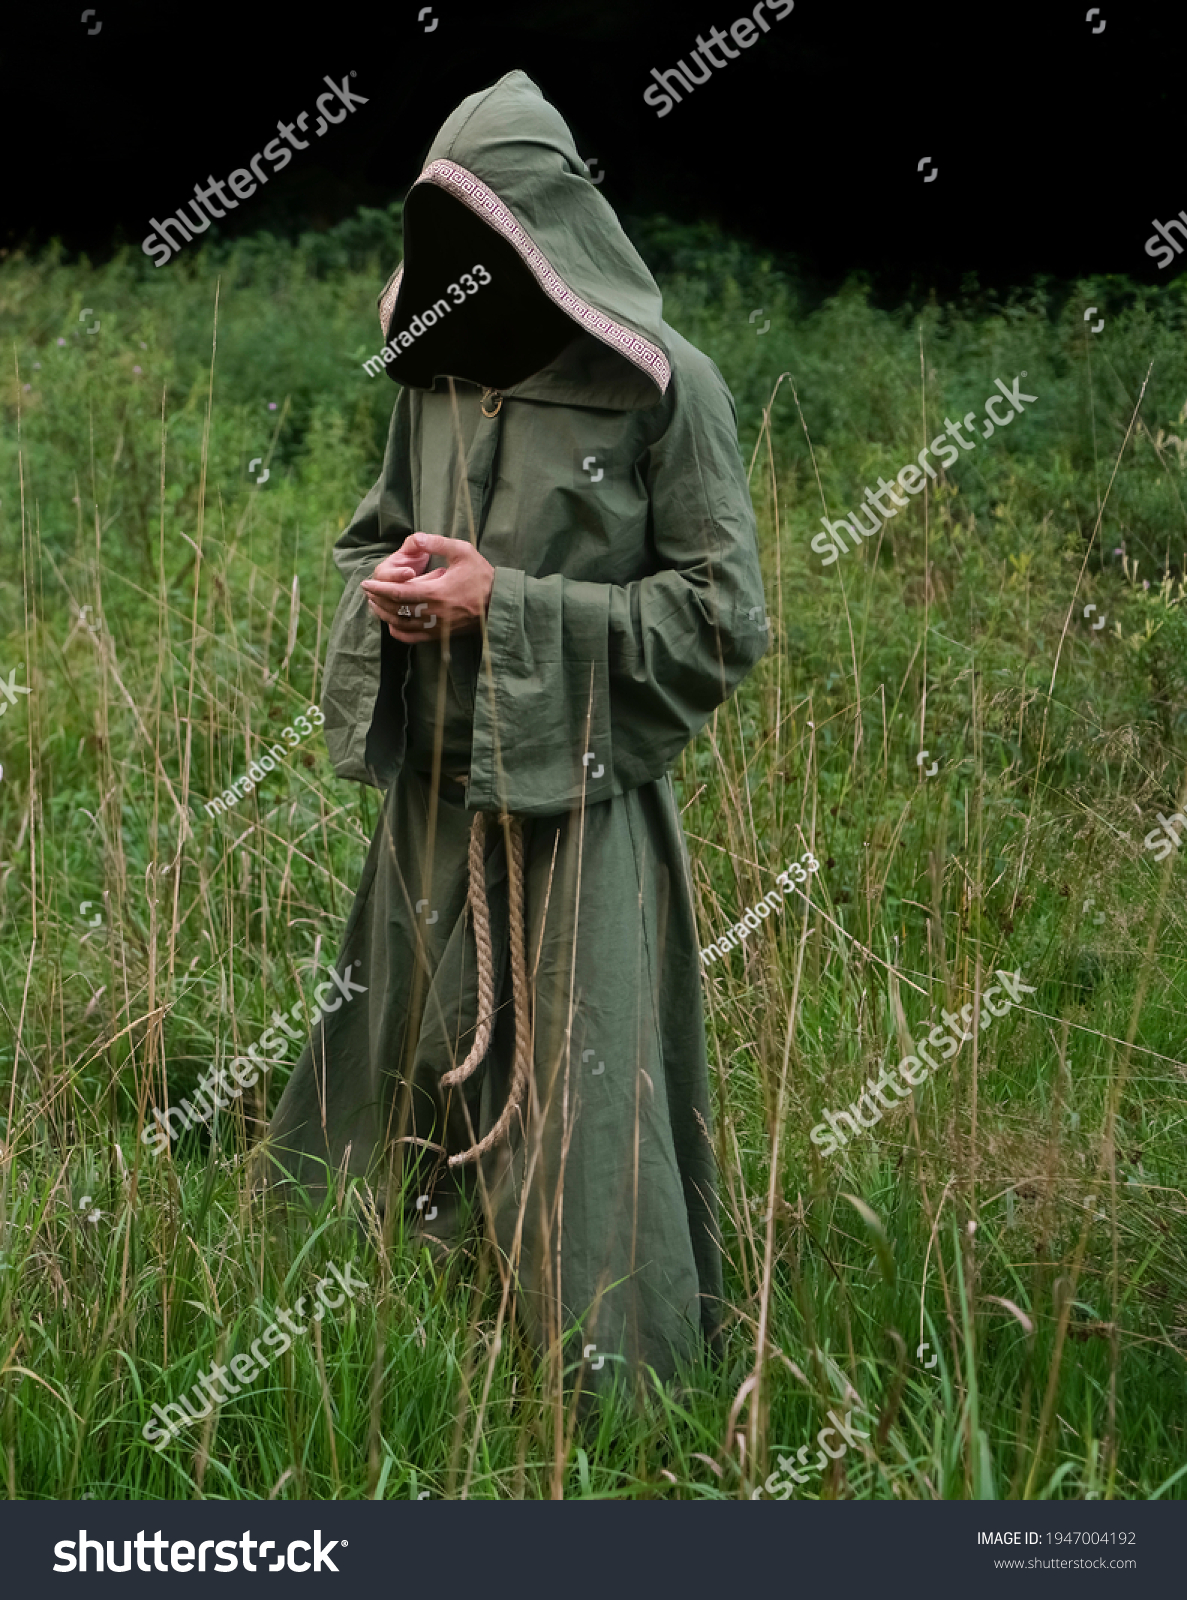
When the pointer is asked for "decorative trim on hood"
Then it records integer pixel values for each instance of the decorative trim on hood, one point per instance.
(472, 192)
(387, 300)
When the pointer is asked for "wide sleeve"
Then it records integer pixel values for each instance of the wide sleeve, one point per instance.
(642, 665)
(365, 666)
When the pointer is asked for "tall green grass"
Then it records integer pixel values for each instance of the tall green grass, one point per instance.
(1025, 1218)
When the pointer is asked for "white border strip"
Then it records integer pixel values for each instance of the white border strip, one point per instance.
(388, 304)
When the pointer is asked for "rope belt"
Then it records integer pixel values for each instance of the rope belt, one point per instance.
(480, 911)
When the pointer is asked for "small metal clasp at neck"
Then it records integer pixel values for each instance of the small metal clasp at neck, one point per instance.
(487, 395)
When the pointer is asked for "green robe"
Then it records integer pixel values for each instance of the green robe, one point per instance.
(608, 493)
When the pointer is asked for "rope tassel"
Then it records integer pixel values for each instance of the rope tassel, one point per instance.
(480, 911)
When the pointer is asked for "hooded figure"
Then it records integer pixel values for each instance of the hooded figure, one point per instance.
(524, 1032)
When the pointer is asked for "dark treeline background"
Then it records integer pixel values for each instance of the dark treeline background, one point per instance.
(1056, 146)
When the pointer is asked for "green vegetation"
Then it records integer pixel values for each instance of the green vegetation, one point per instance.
(1027, 1218)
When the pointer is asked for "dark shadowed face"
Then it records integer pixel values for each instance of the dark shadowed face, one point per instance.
(489, 320)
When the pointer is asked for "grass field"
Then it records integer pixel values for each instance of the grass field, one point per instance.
(1025, 1219)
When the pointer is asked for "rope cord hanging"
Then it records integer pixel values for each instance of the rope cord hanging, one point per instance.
(480, 911)
(519, 982)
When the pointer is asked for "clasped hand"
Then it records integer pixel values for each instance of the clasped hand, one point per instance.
(417, 605)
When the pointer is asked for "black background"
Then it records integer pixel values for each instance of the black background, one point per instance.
(1055, 147)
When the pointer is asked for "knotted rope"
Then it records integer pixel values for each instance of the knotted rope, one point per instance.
(519, 982)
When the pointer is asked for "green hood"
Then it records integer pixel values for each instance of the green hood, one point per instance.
(505, 163)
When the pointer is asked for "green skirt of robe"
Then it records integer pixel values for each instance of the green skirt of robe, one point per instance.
(631, 1199)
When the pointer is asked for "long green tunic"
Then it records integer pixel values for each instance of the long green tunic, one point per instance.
(608, 493)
